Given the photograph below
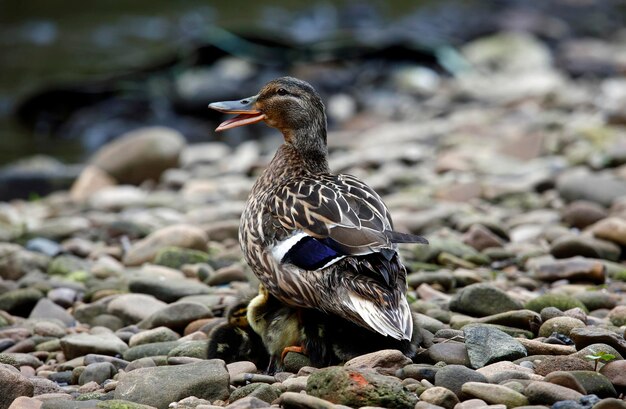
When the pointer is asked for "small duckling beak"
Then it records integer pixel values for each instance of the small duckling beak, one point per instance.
(245, 108)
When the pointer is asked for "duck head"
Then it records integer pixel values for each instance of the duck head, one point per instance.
(287, 104)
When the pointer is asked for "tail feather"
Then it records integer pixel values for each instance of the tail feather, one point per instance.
(396, 323)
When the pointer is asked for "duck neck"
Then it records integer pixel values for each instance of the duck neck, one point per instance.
(309, 146)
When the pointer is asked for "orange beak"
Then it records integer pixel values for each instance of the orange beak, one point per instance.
(245, 108)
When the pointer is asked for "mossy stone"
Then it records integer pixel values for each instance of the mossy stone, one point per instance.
(561, 301)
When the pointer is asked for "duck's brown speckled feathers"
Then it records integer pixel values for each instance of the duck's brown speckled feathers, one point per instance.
(318, 240)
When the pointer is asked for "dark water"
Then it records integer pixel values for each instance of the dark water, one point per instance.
(45, 43)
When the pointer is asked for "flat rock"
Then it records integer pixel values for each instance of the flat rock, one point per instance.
(386, 361)
(492, 370)
(597, 188)
(583, 337)
(524, 319)
(610, 403)
(561, 363)
(539, 392)
(249, 402)
(166, 290)
(301, 400)
(486, 345)
(494, 394)
(572, 269)
(132, 308)
(149, 350)
(571, 245)
(158, 334)
(162, 385)
(534, 347)
(103, 343)
(180, 235)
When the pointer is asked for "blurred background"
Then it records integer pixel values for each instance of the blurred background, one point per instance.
(75, 77)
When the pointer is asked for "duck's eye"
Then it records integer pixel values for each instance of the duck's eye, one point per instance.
(281, 92)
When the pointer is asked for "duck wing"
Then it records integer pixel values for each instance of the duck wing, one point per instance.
(340, 209)
(329, 218)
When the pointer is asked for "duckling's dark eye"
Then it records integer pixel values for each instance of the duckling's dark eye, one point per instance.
(281, 92)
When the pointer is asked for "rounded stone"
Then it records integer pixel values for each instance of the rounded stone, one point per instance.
(180, 235)
(617, 315)
(483, 299)
(140, 155)
(539, 392)
(582, 213)
(486, 345)
(159, 334)
(132, 308)
(357, 388)
(560, 325)
(561, 363)
(440, 396)
(495, 394)
(97, 372)
(453, 377)
(561, 301)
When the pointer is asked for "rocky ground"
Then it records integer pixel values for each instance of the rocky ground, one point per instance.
(514, 170)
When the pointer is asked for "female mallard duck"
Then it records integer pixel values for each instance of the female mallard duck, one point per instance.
(315, 239)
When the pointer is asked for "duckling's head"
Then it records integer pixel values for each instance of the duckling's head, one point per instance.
(288, 104)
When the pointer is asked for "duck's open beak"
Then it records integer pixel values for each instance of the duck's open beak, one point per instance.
(245, 108)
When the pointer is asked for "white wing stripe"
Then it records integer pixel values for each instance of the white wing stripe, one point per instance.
(282, 247)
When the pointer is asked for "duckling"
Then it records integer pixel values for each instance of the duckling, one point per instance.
(279, 326)
(324, 339)
(235, 340)
(318, 240)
